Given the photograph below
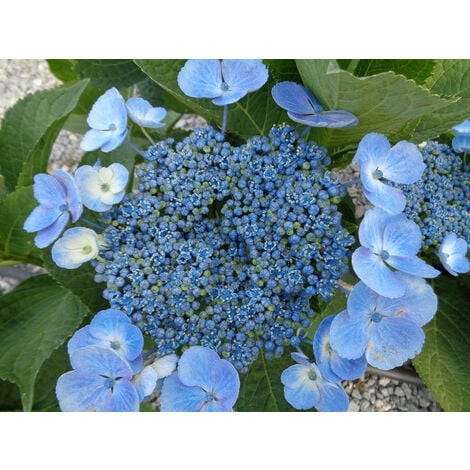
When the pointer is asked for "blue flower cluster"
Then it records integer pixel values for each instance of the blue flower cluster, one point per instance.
(224, 246)
(438, 202)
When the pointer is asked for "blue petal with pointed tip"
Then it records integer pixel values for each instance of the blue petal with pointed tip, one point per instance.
(295, 98)
(201, 78)
(331, 119)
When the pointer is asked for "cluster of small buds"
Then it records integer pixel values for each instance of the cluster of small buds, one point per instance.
(438, 202)
(224, 246)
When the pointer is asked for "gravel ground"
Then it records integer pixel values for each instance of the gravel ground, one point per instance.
(370, 393)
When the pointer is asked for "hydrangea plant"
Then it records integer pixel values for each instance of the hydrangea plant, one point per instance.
(215, 257)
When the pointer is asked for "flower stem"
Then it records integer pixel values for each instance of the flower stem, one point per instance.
(133, 147)
(147, 135)
(351, 183)
(89, 222)
(224, 119)
(305, 132)
(344, 287)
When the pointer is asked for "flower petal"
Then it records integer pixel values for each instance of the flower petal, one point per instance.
(348, 336)
(201, 78)
(457, 264)
(462, 128)
(418, 304)
(196, 367)
(372, 228)
(461, 143)
(108, 109)
(246, 75)
(48, 191)
(404, 163)
(226, 383)
(392, 341)
(143, 114)
(120, 177)
(178, 397)
(372, 149)
(295, 98)
(412, 265)
(332, 397)
(165, 365)
(47, 235)
(452, 245)
(401, 237)
(331, 119)
(41, 217)
(384, 196)
(94, 139)
(371, 270)
(348, 369)
(81, 339)
(145, 382)
(294, 376)
(94, 360)
(78, 391)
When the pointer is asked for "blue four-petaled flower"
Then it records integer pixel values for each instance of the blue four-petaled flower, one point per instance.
(225, 81)
(388, 331)
(389, 245)
(59, 199)
(306, 387)
(378, 162)
(453, 255)
(108, 122)
(303, 107)
(202, 382)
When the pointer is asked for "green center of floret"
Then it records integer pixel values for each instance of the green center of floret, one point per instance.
(87, 249)
(104, 187)
(378, 174)
(312, 375)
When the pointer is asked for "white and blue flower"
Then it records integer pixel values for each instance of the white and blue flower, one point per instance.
(144, 114)
(101, 187)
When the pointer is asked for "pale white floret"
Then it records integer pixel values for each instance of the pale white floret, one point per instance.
(77, 246)
(101, 187)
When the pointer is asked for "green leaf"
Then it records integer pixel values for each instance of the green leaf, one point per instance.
(79, 281)
(36, 318)
(415, 69)
(253, 115)
(63, 69)
(29, 130)
(385, 103)
(283, 70)
(451, 78)
(15, 243)
(261, 388)
(10, 399)
(444, 364)
(107, 73)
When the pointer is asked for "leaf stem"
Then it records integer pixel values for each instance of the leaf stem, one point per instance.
(89, 222)
(224, 119)
(147, 135)
(133, 147)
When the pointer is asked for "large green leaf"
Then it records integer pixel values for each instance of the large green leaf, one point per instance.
(387, 103)
(444, 362)
(261, 388)
(253, 115)
(106, 73)
(35, 319)
(15, 242)
(29, 130)
(63, 69)
(416, 69)
(79, 281)
(451, 78)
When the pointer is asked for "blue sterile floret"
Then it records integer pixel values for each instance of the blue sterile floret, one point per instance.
(438, 203)
(224, 246)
